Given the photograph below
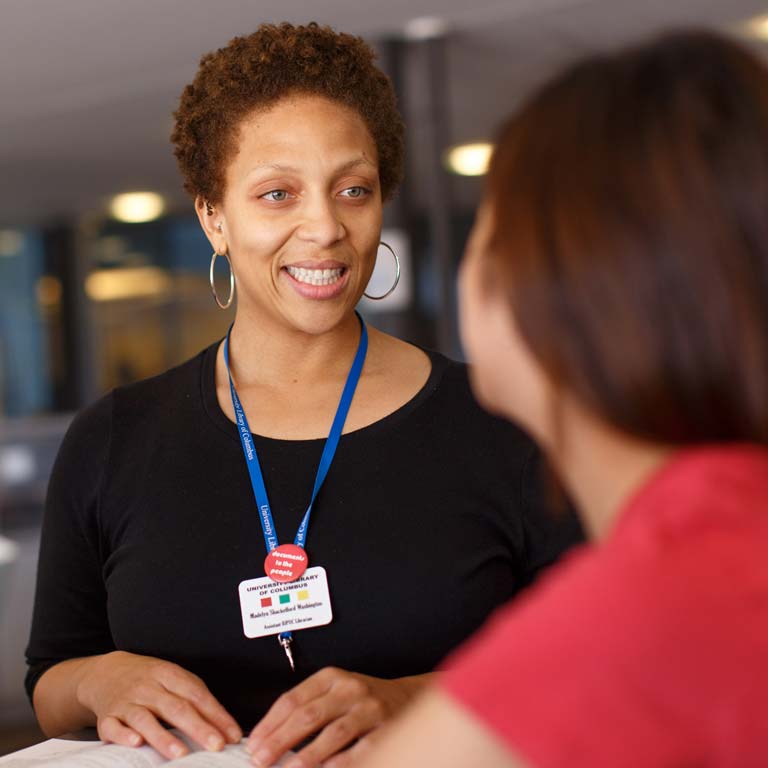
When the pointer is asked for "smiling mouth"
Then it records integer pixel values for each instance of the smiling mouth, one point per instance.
(315, 276)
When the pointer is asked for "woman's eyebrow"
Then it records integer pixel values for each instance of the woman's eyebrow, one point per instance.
(273, 167)
(357, 162)
(280, 168)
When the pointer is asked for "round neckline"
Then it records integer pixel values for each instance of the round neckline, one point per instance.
(439, 364)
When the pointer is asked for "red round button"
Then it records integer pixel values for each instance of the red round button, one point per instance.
(286, 563)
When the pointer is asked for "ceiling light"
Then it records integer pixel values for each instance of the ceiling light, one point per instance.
(137, 207)
(756, 27)
(469, 159)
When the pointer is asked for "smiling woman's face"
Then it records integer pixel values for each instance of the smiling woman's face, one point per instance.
(301, 214)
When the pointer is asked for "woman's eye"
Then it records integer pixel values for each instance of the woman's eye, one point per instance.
(276, 195)
(355, 192)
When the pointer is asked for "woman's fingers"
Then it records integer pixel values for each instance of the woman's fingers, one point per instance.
(337, 735)
(357, 752)
(299, 713)
(306, 720)
(111, 729)
(180, 713)
(340, 706)
(144, 722)
(190, 688)
(130, 693)
(286, 705)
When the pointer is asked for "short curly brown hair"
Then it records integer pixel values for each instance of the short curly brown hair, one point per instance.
(256, 71)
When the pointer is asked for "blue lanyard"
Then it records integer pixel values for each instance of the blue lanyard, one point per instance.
(329, 450)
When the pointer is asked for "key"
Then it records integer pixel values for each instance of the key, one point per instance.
(286, 643)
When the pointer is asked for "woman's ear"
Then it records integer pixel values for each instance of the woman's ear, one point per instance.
(211, 220)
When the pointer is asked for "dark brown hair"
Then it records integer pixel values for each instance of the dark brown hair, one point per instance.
(630, 198)
(255, 72)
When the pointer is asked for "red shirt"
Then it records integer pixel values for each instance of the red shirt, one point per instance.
(649, 648)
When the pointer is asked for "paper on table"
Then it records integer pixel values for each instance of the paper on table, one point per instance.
(40, 754)
(59, 753)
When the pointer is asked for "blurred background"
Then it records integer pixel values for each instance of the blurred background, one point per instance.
(99, 288)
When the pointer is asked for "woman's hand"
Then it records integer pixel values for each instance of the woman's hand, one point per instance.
(341, 707)
(130, 694)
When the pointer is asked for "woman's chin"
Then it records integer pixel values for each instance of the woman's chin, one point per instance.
(317, 317)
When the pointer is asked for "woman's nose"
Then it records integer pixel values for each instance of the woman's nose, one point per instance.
(321, 224)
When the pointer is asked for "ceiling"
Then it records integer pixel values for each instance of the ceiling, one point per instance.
(87, 87)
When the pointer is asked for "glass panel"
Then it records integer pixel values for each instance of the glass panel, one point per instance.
(152, 304)
(29, 301)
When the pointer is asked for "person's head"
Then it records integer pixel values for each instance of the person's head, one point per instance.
(620, 261)
(289, 140)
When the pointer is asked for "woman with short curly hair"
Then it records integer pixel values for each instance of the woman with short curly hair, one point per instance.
(181, 580)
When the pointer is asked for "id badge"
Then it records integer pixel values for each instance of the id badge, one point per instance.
(269, 608)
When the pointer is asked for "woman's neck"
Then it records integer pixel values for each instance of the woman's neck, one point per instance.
(602, 469)
(290, 382)
(272, 354)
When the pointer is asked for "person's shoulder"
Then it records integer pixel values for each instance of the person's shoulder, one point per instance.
(183, 377)
(573, 647)
(618, 631)
(88, 434)
(83, 453)
(166, 395)
(148, 403)
(91, 427)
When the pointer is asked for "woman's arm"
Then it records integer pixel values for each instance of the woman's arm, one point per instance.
(126, 696)
(435, 731)
(55, 699)
(340, 707)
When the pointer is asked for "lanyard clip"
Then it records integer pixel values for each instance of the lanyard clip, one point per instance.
(286, 643)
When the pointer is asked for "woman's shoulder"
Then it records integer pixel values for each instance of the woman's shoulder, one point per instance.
(150, 400)
(181, 379)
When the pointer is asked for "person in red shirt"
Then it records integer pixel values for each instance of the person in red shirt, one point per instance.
(615, 303)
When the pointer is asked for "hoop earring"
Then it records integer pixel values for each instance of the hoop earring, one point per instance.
(397, 275)
(231, 280)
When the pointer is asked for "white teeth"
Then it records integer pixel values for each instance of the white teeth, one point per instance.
(314, 276)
